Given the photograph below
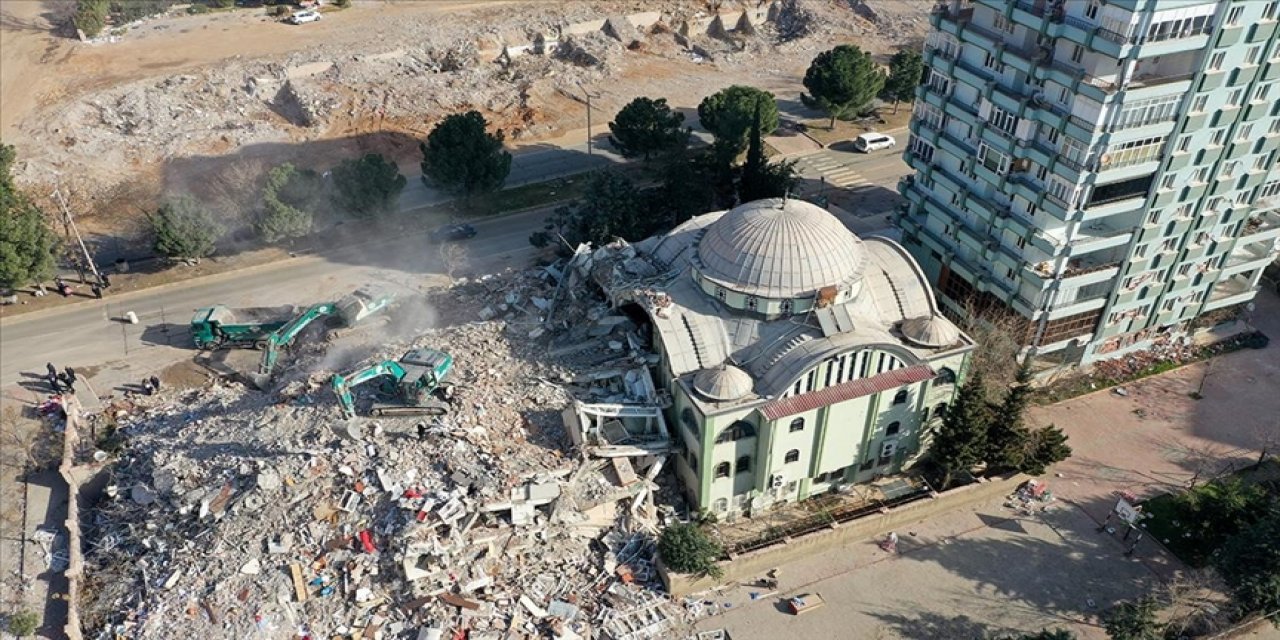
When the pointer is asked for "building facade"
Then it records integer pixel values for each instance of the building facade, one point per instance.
(798, 358)
(1104, 169)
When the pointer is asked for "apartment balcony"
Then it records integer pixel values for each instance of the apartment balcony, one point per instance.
(1247, 256)
(1094, 236)
(1261, 226)
(1231, 291)
(1118, 197)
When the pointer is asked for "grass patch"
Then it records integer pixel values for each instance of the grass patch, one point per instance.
(1194, 524)
(525, 197)
(846, 130)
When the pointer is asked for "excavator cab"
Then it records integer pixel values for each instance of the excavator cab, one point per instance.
(413, 379)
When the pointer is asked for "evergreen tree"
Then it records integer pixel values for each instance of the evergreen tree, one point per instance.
(185, 230)
(1046, 446)
(906, 70)
(1250, 565)
(27, 244)
(687, 549)
(961, 443)
(1009, 437)
(728, 115)
(462, 157)
(842, 81)
(762, 179)
(367, 187)
(1133, 621)
(647, 126)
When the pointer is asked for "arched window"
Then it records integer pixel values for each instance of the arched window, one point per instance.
(946, 376)
(797, 425)
(690, 421)
(752, 303)
(900, 397)
(720, 505)
(793, 456)
(940, 411)
(744, 465)
(785, 306)
(737, 431)
(892, 429)
(722, 470)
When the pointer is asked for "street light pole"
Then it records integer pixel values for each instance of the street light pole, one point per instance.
(589, 96)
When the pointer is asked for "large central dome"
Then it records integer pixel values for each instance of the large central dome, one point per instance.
(780, 248)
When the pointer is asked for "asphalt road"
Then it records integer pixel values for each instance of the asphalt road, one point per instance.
(90, 336)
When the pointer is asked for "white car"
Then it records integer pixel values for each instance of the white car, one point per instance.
(303, 17)
(869, 142)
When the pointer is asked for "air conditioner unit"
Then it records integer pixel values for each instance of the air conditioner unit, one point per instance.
(888, 448)
(777, 481)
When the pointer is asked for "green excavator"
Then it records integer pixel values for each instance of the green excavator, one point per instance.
(412, 381)
(361, 304)
(275, 328)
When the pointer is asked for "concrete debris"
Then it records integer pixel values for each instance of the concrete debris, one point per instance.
(248, 516)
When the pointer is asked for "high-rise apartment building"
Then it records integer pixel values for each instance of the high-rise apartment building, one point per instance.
(1104, 169)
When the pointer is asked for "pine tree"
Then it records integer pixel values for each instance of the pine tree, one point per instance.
(1009, 437)
(1044, 447)
(961, 443)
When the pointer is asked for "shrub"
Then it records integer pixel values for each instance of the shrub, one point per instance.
(23, 623)
(687, 549)
(281, 11)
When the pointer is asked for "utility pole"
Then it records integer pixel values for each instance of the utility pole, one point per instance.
(70, 224)
(589, 96)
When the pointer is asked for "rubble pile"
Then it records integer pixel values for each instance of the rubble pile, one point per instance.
(236, 513)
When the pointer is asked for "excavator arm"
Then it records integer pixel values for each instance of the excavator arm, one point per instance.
(342, 385)
(284, 336)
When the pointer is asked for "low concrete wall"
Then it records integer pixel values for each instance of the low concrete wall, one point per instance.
(754, 564)
(75, 558)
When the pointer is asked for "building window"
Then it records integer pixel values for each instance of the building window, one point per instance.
(721, 505)
(1200, 103)
(900, 397)
(991, 159)
(785, 306)
(752, 303)
(690, 421)
(892, 429)
(722, 470)
(1216, 60)
(736, 431)
(797, 425)
(939, 82)
(946, 376)
(940, 410)
(921, 149)
(693, 461)
(744, 465)
(792, 456)
(1003, 120)
(1002, 23)
(1252, 54)
(1233, 16)
(720, 294)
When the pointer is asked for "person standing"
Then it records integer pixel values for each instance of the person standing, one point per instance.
(146, 386)
(155, 383)
(97, 291)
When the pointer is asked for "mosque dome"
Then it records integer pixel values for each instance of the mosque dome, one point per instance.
(723, 383)
(780, 248)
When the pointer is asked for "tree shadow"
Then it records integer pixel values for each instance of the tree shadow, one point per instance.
(935, 625)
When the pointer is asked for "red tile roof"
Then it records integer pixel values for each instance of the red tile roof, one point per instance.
(847, 391)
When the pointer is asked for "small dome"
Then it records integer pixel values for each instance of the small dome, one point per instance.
(723, 383)
(930, 331)
(780, 248)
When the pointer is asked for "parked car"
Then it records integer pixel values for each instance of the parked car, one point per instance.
(869, 142)
(303, 17)
(453, 232)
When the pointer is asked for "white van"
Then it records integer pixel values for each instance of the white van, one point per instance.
(869, 142)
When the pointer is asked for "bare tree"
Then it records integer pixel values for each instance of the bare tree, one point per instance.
(998, 334)
(1196, 604)
(454, 258)
(24, 437)
(1268, 441)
